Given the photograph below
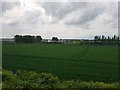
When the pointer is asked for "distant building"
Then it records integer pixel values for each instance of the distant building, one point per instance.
(68, 41)
(44, 40)
(8, 40)
(50, 41)
(71, 41)
(60, 41)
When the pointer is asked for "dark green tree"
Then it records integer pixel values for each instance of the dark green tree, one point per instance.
(18, 38)
(28, 39)
(108, 40)
(114, 39)
(95, 39)
(54, 39)
(103, 39)
(38, 38)
(118, 40)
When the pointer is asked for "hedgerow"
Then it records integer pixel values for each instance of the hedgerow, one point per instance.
(31, 79)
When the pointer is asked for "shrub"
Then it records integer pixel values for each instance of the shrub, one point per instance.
(31, 79)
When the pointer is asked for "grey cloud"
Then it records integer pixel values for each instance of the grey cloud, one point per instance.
(9, 5)
(86, 17)
(60, 9)
(6, 6)
(92, 11)
(13, 24)
(32, 17)
(0, 9)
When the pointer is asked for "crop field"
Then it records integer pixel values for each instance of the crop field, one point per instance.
(89, 63)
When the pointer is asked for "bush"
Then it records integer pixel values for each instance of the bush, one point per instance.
(28, 79)
(31, 79)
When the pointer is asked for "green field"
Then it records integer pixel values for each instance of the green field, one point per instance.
(97, 63)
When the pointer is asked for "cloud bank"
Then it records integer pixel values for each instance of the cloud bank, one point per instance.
(62, 19)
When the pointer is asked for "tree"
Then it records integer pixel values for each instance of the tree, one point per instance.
(18, 38)
(108, 40)
(95, 39)
(38, 38)
(118, 40)
(99, 39)
(103, 39)
(28, 39)
(114, 39)
(54, 39)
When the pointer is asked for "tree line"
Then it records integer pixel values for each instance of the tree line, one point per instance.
(27, 39)
(98, 40)
(106, 40)
(30, 39)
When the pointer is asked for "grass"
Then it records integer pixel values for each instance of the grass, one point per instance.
(96, 63)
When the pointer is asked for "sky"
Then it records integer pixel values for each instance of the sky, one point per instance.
(77, 20)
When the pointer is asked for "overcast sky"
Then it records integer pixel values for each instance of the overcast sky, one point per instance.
(61, 19)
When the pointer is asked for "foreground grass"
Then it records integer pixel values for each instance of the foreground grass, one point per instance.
(31, 79)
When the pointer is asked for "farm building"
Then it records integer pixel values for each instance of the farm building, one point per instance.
(50, 41)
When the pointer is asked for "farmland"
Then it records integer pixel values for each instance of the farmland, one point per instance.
(89, 63)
